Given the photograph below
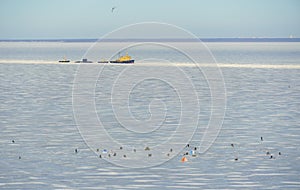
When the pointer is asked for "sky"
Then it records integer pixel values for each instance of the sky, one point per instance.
(72, 19)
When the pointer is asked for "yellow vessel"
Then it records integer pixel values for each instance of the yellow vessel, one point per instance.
(124, 59)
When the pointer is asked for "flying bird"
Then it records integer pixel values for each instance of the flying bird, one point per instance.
(112, 9)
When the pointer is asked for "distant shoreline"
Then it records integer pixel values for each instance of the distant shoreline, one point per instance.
(159, 40)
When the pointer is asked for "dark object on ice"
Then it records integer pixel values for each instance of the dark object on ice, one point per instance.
(64, 61)
(236, 159)
(83, 61)
(261, 138)
(103, 61)
(279, 153)
(76, 151)
(232, 145)
(13, 141)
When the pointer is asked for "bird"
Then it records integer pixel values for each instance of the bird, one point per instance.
(115, 154)
(149, 155)
(19, 157)
(13, 141)
(121, 148)
(124, 155)
(76, 151)
(100, 156)
(232, 145)
(112, 9)
(261, 138)
(184, 159)
(279, 153)
(236, 159)
(171, 150)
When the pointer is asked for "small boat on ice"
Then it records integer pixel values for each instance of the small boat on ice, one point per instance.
(103, 61)
(84, 61)
(64, 60)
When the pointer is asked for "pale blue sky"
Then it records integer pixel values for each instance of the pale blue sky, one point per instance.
(53, 19)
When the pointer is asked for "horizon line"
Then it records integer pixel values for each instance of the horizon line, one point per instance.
(216, 39)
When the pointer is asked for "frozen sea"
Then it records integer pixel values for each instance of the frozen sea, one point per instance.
(45, 144)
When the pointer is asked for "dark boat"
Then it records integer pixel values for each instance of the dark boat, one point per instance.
(84, 61)
(64, 61)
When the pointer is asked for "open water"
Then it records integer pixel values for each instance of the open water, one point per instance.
(43, 146)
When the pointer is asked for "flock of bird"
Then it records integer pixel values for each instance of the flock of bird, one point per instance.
(267, 152)
(188, 151)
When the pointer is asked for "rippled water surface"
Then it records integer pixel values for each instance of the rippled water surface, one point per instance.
(37, 114)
